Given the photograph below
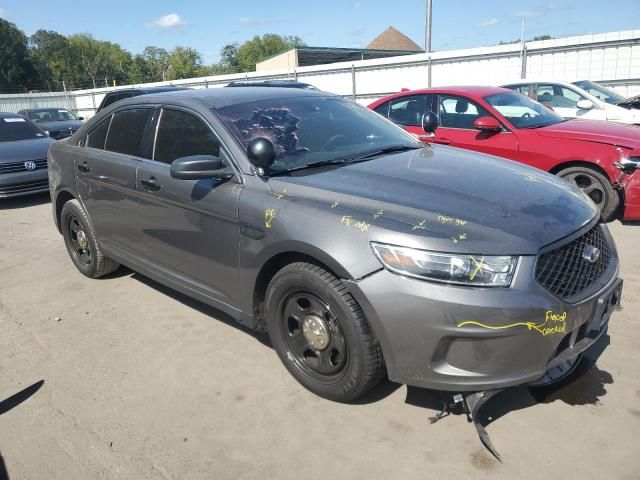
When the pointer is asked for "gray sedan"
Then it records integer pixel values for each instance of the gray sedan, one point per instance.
(359, 250)
(57, 122)
(23, 156)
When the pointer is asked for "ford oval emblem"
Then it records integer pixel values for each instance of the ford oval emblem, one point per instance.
(591, 254)
(30, 165)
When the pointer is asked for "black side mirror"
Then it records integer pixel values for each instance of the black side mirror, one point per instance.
(430, 122)
(261, 152)
(198, 167)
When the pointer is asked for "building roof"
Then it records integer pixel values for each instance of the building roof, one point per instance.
(392, 39)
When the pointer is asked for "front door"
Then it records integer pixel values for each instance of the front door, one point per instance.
(189, 228)
(457, 114)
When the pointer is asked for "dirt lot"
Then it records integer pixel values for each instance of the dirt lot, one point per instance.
(141, 382)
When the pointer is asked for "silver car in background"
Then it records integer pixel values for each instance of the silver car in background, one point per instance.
(23, 156)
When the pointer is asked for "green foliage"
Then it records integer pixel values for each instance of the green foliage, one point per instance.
(261, 48)
(15, 68)
(51, 61)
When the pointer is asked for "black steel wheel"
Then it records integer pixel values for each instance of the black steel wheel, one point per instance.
(81, 242)
(313, 335)
(321, 334)
(597, 187)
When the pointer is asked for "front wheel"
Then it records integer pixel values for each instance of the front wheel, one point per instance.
(597, 187)
(321, 334)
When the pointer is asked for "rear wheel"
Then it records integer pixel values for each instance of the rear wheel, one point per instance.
(321, 334)
(597, 187)
(81, 242)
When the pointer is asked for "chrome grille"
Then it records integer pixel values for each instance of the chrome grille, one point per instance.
(13, 167)
(565, 273)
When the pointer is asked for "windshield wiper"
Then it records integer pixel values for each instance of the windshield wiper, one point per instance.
(382, 151)
(322, 163)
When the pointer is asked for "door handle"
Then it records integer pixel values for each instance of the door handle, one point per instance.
(150, 184)
(83, 167)
(443, 141)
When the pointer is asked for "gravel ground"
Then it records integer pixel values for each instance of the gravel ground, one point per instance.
(127, 379)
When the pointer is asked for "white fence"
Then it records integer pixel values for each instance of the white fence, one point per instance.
(612, 59)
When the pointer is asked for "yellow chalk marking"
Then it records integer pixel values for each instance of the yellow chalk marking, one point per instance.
(479, 264)
(559, 327)
(419, 226)
(378, 214)
(269, 215)
(335, 204)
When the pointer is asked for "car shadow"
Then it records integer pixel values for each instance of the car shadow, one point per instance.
(25, 201)
(201, 307)
(586, 385)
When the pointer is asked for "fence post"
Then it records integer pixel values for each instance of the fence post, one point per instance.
(66, 97)
(206, 83)
(523, 62)
(429, 72)
(93, 101)
(353, 82)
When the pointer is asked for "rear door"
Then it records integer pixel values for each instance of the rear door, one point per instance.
(106, 174)
(457, 114)
(189, 228)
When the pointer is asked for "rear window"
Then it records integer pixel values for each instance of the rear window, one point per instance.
(18, 128)
(126, 130)
(97, 136)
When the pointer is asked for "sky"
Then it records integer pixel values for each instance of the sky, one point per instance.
(209, 25)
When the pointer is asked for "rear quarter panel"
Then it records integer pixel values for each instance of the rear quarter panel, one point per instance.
(61, 159)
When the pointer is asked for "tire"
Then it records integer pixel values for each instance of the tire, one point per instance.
(597, 187)
(321, 334)
(81, 242)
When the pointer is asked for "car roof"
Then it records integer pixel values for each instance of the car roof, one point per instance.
(43, 109)
(159, 89)
(221, 97)
(473, 90)
(9, 115)
(271, 83)
(528, 81)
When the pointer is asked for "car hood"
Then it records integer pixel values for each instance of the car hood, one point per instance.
(632, 102)
(609, 133)
(19, 150)
(445, 199)
(57, 126)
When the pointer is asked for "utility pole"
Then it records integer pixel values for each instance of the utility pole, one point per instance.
(427, 29)
(427, 40)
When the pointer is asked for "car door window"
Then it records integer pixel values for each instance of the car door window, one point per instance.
(181, 134)
(383, 109)
(126, 131)
(408, 111)
(459, 112)
(557, 96)
(97, 136)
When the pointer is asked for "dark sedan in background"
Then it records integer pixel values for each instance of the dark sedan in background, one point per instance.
(23, 156)
(58, 123)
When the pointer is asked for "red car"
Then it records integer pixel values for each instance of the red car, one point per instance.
(602, 158)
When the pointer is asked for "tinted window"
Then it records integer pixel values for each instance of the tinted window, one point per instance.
(50, 115)
(408, 110)
(182, 135)
(382, 109)
(125, 133)
(459, 112)
(97, 136)
(109, 99)
(17, 128)
(603, 93)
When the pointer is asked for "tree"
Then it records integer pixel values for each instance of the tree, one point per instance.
(228, 60)
(50, 54)
(157, 60)
(260, 48)
(185, 62)
(89, 57)
(15, 66)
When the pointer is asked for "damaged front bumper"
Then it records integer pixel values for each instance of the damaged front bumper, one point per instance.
(462, 339)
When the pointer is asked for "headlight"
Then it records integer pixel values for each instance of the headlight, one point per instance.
(477, 270)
